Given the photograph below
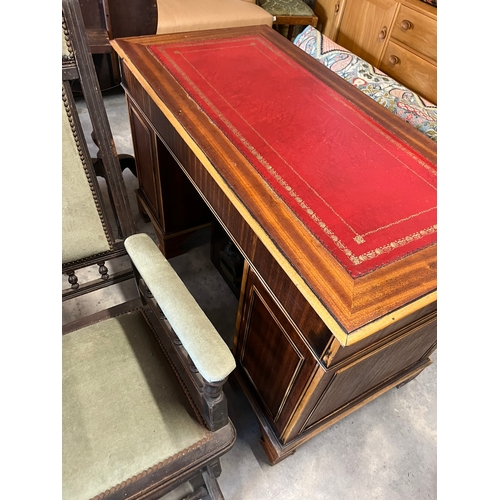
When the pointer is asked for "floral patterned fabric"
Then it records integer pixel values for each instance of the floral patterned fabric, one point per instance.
(401, 101)
(286, 7)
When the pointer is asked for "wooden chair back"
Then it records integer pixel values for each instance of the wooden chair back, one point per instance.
(86, 216)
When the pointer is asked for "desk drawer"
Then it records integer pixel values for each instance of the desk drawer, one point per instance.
(356, 381)
(417, 31)
(410, 70)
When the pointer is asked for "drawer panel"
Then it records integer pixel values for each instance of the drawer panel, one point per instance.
(354, 382)
(417, 31)
(412, 71)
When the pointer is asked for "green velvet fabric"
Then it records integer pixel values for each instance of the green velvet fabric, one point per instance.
(123, 408)
(207, 350)
(286, 7)
(82, 230)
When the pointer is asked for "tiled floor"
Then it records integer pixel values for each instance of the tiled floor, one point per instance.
(385, 450)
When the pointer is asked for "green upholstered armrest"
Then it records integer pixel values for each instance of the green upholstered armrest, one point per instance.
(207, 349)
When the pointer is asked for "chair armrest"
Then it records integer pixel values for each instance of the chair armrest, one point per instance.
(207, 350)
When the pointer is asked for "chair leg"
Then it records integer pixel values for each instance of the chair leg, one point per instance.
(212, 486)
(199, 494)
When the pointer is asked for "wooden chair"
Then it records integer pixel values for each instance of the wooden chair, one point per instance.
(143, 407)
(107, 231)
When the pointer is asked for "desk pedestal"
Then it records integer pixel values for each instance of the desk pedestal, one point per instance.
(298, 386)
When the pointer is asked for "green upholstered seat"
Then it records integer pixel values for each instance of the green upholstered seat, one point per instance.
(116, 378)
(128, 426)
(286, 7)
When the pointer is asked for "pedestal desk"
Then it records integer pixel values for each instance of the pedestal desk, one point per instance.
(329, 199)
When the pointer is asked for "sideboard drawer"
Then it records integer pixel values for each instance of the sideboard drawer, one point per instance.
(411, 70)
(416, 31)
(371, 29)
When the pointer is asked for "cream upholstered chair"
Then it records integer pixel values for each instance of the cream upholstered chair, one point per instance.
(143, 407)
(148, 17)
(194, 15)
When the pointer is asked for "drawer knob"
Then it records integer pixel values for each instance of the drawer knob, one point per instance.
(382, 35)
(394, 60)
(337, 8)
(406, 25)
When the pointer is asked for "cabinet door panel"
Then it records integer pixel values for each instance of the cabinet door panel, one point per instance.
(329, 14)
(272, 353)
(365, 27)
(264, 342)
(145, 158)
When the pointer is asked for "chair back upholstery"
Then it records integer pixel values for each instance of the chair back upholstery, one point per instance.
(85, 229)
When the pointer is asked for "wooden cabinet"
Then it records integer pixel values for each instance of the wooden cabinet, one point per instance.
(397, 36)
(410, 56)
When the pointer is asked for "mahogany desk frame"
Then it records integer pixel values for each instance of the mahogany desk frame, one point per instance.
(312, 344)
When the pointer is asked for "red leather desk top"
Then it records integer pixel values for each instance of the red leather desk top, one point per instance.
(360, 190)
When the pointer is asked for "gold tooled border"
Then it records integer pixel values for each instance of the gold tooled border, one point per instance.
(355, 259)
